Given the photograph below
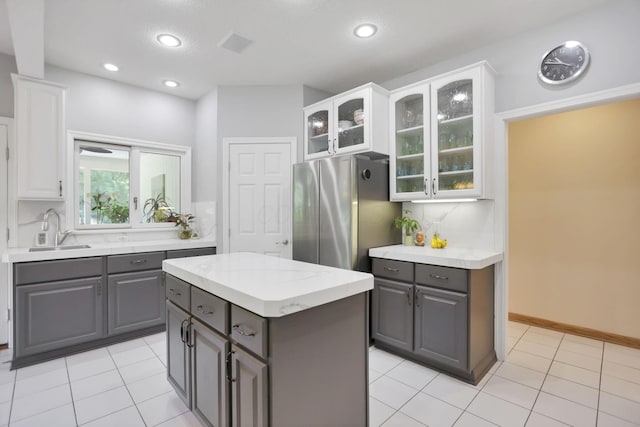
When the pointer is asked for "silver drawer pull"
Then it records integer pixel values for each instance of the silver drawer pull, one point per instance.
(435, 276)
(201, 309)
(244, 332)
(137, 261)
(395, 270)
(174, 292)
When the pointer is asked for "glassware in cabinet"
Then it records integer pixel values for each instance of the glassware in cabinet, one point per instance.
(351, 116)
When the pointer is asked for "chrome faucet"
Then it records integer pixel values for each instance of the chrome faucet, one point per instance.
(60, 236)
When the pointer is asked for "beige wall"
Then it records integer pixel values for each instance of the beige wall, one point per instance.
(574, 218)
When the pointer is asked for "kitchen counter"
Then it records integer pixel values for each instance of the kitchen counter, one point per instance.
(268, 286)
(13, 255)
(471, 259)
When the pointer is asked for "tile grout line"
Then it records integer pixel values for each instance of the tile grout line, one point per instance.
(125, 385)
(13, 393)
(600, 383)
(73, 403)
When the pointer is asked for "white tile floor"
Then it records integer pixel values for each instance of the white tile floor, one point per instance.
(548, 379)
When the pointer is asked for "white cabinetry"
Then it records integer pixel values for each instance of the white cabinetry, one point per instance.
(40, 148)
(441, 136)
(352, 122)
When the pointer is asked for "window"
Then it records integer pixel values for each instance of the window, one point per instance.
(122, 183)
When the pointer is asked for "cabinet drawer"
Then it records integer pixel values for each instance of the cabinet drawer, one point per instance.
(397, 270)
(454, 279)
(249, 330)
(210, 309)
(183, 253)
(63, 269)
(134, 262)
(177, 291)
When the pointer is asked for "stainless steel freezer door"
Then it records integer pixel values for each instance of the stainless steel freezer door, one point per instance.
(336, 212)
(306, 182)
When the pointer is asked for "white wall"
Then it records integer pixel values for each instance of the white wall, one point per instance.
(610, 31)
(204, 162)
(7, 66)
(104, 106)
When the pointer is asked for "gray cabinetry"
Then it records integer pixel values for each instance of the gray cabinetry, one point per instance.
(209, 393)
(178, 372)
(58, 314)
(248, 390)
(437, 315)
(136, 301)
(136, 292)
(441, 326)
(392, 303)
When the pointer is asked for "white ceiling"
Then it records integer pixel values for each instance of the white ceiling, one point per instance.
(307, 42)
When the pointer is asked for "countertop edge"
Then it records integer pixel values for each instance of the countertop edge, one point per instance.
(459, 258)
(14, 255)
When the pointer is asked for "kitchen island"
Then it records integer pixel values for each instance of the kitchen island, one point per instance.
(255, 340)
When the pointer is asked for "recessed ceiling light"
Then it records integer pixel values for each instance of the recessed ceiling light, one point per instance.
(171, 83)
(365, 30)
(111, 67)
(169, 40)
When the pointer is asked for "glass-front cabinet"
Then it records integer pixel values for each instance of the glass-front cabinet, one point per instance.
(352, 122)
(441, 136)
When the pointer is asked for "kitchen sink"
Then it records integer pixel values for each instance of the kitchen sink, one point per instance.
(58, 248)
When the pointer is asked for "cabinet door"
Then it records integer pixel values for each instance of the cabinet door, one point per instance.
(441, 330)
(409, 149)
(39, 112)
(249, 400)
(456, 135)
(178, 369)
(136, 301)
(58, 314)
(208, 368)
(352, 121)
(318, 140)
(392, 313)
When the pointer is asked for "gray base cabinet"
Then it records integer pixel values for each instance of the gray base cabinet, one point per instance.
(58, 314)
(235, 368)
(248, 390)
(440, 316)
(136, 301)
(69, 305)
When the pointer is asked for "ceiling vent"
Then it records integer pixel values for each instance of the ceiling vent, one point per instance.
(234, 42)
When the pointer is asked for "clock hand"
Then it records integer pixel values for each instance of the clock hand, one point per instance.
(556, 61)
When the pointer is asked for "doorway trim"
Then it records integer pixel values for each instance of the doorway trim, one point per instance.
(10, 225)
(226, 165)
(501, 175)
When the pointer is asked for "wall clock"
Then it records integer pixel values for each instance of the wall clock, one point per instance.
(564, 63)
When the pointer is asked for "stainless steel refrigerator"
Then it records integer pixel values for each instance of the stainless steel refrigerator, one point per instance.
(341, 208)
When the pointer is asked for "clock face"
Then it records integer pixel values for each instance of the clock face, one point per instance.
(564, 63)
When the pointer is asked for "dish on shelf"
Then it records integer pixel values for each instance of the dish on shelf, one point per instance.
(345, 124)
(358, 116)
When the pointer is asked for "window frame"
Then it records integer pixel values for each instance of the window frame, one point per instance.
(135, 147)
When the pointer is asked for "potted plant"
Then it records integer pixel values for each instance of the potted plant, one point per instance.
(156, 209)
(184, 222)
(408, 226)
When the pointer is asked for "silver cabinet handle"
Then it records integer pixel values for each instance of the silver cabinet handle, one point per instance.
(174, 292)
(137, 261)
(433, 186)
(435, 276)
(244, 332)
(426, 189)
(417, 297)
(228, 367)
(60, 188)
(409, 298)
(284, 242)
(395, 270)
(201, 309)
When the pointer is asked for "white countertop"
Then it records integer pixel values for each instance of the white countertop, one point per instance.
(99, 249)
(266, 285)
(448, 257)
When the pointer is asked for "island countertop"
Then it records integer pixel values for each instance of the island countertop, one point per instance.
(267, 285)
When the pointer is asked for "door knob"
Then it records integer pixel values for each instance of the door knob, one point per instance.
(284, 242)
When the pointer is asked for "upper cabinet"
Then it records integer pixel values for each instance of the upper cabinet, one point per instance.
(352, 122)
(441, 136)
(40, 146)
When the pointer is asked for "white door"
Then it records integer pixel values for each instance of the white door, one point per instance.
(4, 274)
(260, 198)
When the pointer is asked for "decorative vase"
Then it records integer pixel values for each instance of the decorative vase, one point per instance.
(185, 233)
(408, 240)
